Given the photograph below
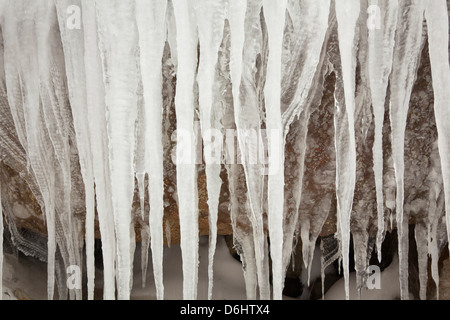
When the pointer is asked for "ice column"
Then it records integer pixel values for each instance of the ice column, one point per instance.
(241, 239)
(347, 14)
(96, 118)
(210, 24)
(186, 169)
(118, 43)
(381, 49)
(150, 18)
(275, 13)
(436, 15)
(1, 244)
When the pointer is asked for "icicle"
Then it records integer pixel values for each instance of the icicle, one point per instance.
(139, 149)
(381, 49)
(1, 244)
(210, 23)
(244, 18)
(118, 41)
(39, 146)
(168, 234)
(107, 77)
(150, 18)
(73, 46)
(436, 205)
(247, 253)
(96, 111)
(322, 269)
(275, 13)
(310, 23)
(3, 94)
(347, 14)
(186, 168)
(139, 167)
(436, 15)
(405, 63)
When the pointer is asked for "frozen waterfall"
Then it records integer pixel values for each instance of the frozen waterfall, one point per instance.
(287, 117)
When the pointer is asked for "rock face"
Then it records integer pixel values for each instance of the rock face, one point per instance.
(310, 204)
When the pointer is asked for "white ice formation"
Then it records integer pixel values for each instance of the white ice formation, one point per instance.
(83, 88)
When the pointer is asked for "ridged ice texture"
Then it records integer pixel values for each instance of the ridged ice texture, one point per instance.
(246, 38)
(242, 241)
(310, 24)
